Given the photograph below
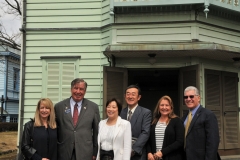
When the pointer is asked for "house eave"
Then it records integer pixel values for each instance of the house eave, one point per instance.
(162, 50)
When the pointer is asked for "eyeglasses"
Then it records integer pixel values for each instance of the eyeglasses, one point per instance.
(191, 96)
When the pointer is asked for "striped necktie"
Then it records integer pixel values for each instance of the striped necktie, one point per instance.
(129, 115)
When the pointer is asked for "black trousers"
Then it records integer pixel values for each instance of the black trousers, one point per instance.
(106, 155)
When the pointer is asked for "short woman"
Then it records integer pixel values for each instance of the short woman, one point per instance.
(114, 137)
(39, 139)
(166, 134)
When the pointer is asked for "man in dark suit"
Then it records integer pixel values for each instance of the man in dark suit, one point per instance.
(201, 128)
(140, 119)
(77, 125)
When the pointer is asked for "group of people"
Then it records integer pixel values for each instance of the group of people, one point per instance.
(72, 130)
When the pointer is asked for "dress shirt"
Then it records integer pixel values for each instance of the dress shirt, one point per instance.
(193, 113)
(132, 110)
(72, 103)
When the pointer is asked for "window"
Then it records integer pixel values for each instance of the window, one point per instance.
(13, 119)
(57, 78)
(16, 79)
(58, 72)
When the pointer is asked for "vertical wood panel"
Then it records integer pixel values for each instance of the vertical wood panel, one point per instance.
(189, 76)
(115, 83)
(230, 108)
(213, 99)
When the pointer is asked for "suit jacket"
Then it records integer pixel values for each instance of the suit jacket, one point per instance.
(173, 140)
(83, 137)
(140, 126)
(202, 139)
(122, 142)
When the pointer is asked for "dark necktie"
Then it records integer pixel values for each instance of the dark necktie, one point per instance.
(75, 114)
(129, 115)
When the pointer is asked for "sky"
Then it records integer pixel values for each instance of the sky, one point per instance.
(10, 22)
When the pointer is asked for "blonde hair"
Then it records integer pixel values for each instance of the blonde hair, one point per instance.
(51, 119)
(157, 114)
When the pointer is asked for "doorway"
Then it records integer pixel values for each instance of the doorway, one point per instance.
(154, 84)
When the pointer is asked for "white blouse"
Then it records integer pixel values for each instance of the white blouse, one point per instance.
(106, 138)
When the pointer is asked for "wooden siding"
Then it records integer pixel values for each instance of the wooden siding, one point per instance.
(155, 33)
(167, 27)
(12, 108)
(212, 34)
(2, 75)
(218, 21)
(154, 17)
(106, 17)
(63, 14)
(3, 48)
(36, 56)
(11, 67)
(88, 44)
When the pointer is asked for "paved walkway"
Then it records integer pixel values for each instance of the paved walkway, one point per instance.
(233, 157)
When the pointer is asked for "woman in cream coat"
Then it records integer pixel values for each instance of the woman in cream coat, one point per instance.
(114, 137)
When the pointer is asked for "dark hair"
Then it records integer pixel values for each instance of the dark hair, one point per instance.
(78, 80)
(119, 105)
(134, 86)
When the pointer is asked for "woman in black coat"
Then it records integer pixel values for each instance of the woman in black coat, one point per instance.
(167, 133)
(39, 139)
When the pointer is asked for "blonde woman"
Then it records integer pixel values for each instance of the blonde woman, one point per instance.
(39, 139)
(167, 133)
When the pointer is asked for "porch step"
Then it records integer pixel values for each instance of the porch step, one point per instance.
(232, 157)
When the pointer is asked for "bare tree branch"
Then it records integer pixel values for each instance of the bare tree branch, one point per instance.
(15, 7)
(12, 7)
(9, 40)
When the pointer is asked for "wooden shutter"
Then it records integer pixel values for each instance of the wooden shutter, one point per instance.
(213, 98)
(189, 76)
(222, 98)
(59, 77)
(53, 81)
(68, 74)
(230, 110)
(114, 84)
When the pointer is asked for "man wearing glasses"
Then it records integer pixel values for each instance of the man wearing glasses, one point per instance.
(201, 129)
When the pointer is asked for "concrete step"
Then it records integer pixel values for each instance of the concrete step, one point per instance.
(232, 157)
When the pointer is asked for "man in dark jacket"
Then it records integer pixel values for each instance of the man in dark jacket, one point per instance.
(140, 119)
(201, 128)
